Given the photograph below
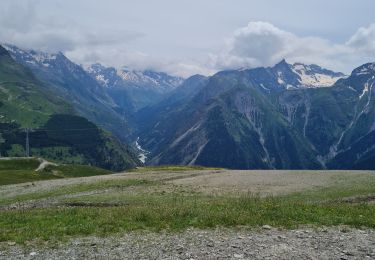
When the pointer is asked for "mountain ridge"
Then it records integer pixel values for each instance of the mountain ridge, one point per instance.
(58, 132)
(252, 108)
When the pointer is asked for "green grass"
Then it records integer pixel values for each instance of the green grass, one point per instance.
(19, 164)
(73, 189)
(143, 205)
(176, 213)
(171, 168)
(23, 170)
(68, 171)
(344, 187)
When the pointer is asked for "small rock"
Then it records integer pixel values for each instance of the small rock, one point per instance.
(238, 256)
(180, 249)
(267, 227)
(33, 253)
(11, 243)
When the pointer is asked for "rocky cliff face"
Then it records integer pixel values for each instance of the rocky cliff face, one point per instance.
(273, 118)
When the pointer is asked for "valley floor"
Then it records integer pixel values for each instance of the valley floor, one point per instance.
(170, 213)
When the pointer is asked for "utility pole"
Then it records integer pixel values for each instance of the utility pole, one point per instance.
(27, 143)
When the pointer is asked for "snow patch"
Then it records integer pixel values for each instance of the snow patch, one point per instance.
(311, 79)
(102, 79)
(365, 90)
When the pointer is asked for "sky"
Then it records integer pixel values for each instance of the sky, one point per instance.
(186, 37)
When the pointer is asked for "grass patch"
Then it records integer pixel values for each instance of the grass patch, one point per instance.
(344, 187)
(68, 171)
(18, 164)
(177, 213)
(172, 168)
(121, 205)
(23, 170)
(72, 189)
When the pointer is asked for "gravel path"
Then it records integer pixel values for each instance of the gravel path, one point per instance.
(264, 243)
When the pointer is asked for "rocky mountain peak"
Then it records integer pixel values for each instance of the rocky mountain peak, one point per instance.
(365, 69)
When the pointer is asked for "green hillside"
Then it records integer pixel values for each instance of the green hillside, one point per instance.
(57, 133)
(24, 170)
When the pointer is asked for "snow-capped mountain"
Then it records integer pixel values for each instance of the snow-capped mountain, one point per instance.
(111, 77)
(59, 71)
(315, 76)
(32, 57)
(299, 75)
(131, 89)
(70, 81)
(252, 119)
(365, 69)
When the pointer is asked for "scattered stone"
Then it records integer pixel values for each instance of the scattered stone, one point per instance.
(11, 243)
(195, 244)
(180, 249)
(267, 227)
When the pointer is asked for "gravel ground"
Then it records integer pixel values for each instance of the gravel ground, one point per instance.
(224, 181)
(264, 243)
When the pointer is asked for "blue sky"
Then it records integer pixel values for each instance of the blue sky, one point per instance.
(195, 36)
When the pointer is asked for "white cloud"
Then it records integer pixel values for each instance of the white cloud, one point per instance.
(22, 25)
(121, 56)
(263, 44)
(257, 44)
(363, 40)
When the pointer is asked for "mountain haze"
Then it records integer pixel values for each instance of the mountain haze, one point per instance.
(132, 89)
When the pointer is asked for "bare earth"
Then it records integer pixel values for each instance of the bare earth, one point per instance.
(228, 181)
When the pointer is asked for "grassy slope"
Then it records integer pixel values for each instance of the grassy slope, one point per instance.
(23, 170)
(27, 102)
(23, 98)
(136, 204)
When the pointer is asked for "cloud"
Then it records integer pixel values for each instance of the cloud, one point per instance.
(263, 44)
(363, 40)
(121, 56)
(21, 25)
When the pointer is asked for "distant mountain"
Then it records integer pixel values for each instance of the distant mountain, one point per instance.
(58, 133)
(132, 89)
(73, 83)
(284, 117)
(300, 75)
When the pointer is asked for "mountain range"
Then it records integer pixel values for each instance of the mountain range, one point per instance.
(283, 117)
(289, 116)
(103, 95)
(132, 89)
(54, 126)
